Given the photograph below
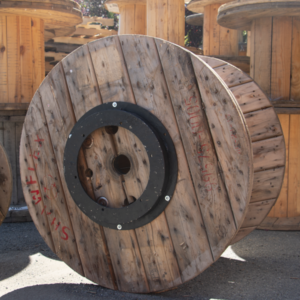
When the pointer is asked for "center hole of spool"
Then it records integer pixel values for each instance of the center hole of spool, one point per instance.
(111, 129)
(122, 164)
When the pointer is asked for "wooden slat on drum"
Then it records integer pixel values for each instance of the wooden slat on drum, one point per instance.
(269, 153)
(205, 211)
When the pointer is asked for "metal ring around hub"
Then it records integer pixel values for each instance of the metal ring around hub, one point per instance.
(162, 157)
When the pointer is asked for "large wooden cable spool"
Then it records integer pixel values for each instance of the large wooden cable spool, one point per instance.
(5, 184)
(268, 143)
(136, 77)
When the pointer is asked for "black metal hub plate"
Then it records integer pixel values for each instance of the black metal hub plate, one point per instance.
(162, 157)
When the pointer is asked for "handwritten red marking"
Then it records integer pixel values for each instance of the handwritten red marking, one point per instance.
(31, 181)
(64, 232)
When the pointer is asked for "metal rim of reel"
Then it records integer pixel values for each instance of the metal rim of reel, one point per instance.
(162, 157)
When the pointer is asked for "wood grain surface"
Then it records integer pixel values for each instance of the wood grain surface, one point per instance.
(6, 181)
(269, 149)
(55, 14)
(212, 144)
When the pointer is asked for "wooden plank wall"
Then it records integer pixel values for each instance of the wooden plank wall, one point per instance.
(21, 58)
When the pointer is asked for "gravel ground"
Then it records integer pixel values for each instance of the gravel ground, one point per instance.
(265, 265)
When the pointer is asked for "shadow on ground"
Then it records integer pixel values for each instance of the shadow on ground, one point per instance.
(264, 265)
(17, 242)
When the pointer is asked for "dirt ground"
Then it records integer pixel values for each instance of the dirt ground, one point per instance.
(265, 265)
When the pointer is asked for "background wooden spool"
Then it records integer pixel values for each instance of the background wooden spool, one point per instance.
(217, 40)
(132, 15)
(215, 163)
(269, 155)
(275, 56)
(22, 69)
(5, 184)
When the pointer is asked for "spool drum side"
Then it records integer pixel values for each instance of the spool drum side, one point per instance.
(268, 144)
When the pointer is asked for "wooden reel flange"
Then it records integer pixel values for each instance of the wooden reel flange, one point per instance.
(212, 145)
(194, 20)
(268, 144)
(5, 184)
(274, 66)
(217, 40)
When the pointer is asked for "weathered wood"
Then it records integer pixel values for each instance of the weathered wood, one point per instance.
(194, 20)
(257, 212)
(263, 124)
(183, 240)
(165, 19)
(5, 184)
(268, 151)
(240, 14)
(64, 13)
(281, 58)
(217, 40)
(242, 233)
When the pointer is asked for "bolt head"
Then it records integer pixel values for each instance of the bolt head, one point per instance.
(115, 104)
(167, 198)
(119, 227)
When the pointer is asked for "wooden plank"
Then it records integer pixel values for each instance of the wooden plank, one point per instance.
(250, 97)
(263, 124)
(14, 106)
(20, 196)
(267, 184)
(261, 53)
(3, 60)
(281, 58)
(199, 148)
(213, 62)
(230, 138)
(26, 59)
(291, 223)
(81, 80)
(281, 206)
(30, 184)
(257, 211)
(153, 96)
(269, 153)
(287, 110)
(295, 79)
(229, 44)
(13, 119)
(206, 30)
(10, 146)
(214, 30)
(51, 190)
(13, 59)
(294, 164)
(241, 234)
(232, 76)
(154, 239)
(38, 56)
(61, 117)
(268, 223)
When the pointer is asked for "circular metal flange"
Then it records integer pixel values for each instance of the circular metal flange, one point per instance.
(162, 157)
